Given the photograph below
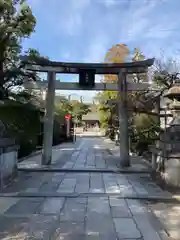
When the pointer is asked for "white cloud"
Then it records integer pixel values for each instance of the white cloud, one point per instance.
(138, 23)
(162, 30)
(109, 3)
(72, 16)
(97, 49)
(136, 20)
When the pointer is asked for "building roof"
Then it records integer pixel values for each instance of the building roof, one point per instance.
(91, 116)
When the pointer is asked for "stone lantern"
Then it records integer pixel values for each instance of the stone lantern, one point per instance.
(172, 139)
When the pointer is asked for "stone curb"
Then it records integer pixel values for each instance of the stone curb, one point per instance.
(76, 195)
(50, 169)
(39, 152)
(142, 158)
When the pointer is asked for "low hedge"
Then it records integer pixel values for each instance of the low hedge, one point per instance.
(23, 122)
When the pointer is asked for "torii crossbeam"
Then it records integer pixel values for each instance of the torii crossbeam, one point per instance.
(123, 85)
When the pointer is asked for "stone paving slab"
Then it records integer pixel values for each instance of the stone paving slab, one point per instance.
(6, 203)
(11, 226)
(51, 206)
(119, 208)
(74, 210)
(92, 215)
(70, 231)
(126, 228)
(39, 227)
(168, 215)
(63, 184)
(79, 205)
(25, 206)
(59, 155)
(96, 212)
(87, 183)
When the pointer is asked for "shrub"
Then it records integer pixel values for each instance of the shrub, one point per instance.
(144, 131)
(22, 122)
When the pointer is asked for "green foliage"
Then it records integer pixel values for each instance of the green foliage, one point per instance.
(18, 117)
(17, 22)
(108, 112)
(21, 119)
(21, 122)
(76, 108)
(145, 130)
(62, 106)
(79, 109)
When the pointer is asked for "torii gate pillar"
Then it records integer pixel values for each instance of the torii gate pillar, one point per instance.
(49, 120)
(123, 120)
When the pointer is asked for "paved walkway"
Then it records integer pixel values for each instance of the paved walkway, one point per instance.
(84, 199)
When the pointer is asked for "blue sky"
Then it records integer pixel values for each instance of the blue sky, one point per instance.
(83, 30)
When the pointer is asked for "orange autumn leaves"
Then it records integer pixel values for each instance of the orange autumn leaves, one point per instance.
(116, 54)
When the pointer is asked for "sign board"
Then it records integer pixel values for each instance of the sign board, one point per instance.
(68, 116)
(87, 78)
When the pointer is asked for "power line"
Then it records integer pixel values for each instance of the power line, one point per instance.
(158, 30)
(120, 1)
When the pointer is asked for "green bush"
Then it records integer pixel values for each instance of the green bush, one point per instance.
(59, 132)
(22, 123)
(144, 130)
(26, 148)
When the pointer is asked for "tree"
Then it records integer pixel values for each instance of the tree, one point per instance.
(146, 123)
(62, 106)
(137, 101)
(79, 109)
(17, 22)
(138, 56)
(166, 73)
(116, 54)
(108, 112)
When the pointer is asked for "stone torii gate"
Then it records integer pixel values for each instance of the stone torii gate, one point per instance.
(122, 86)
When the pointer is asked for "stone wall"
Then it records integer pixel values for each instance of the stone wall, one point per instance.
(8, 161)
(167, 150)
(172, 170)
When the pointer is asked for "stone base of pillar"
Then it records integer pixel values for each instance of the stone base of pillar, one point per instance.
(125, 162)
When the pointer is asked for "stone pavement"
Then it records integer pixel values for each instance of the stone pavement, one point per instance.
(80, 203)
